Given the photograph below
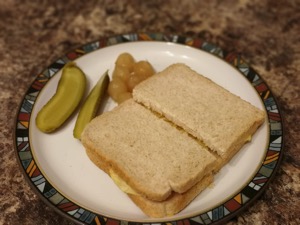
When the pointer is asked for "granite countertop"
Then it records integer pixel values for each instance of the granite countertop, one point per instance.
(35, 33)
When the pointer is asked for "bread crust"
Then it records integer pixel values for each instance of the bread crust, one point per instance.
(174, 204)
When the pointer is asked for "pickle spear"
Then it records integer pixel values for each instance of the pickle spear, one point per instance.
(91, 105)
(70, 90)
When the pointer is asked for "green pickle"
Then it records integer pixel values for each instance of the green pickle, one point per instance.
(91, 105)
(70, 91)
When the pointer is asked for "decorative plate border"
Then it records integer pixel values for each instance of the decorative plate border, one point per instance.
(223, 212)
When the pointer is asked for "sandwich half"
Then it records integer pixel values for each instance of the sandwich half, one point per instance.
(207, 111)
(149, 158)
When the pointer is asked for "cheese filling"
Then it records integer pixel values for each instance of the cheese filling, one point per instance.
(249, 138)
(121, 183)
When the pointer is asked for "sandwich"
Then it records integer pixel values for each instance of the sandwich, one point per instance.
(163, 147)
(148, 158)
(207, 111)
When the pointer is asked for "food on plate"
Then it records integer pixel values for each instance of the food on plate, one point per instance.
(91, 105)
(116, 88)
(151, 156)
(163, 147)
(70, 91)
(126, 75)
(207, 111)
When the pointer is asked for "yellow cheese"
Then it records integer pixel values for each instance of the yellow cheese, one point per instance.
(121, 183)
(249, 138)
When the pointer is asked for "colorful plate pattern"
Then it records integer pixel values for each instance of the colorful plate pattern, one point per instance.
(219, 214)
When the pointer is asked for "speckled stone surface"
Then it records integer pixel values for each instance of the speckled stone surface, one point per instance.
(35, 33)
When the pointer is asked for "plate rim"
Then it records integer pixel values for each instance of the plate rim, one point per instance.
(214, 215)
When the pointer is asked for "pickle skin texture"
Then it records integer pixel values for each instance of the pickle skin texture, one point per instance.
(70, 91)
(91, 105)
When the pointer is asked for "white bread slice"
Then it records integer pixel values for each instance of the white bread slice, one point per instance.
(207, 111)
(147, 152)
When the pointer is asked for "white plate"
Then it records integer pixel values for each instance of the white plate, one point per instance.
(74, 179)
